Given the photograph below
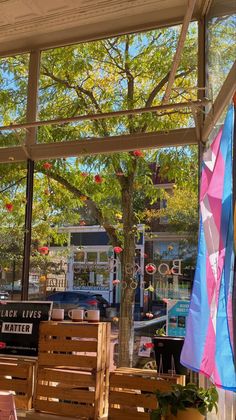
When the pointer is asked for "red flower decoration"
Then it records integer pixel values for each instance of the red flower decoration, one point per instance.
(118, 249)
(82, 223)
(148, 345)
(84, 174)
(115, 282)
(43, 250)
(98, 179)
(9, 207)
(47, 166)
(150, 268)
(138, 153)
(2, 345)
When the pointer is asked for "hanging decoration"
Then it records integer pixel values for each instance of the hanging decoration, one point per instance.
(138, 153)
(83, 198)
(118, 216)
(9, 207)
(2, 345)
(170, 247)
(115, 282)
(47, 192)
(98, 179)
(150, 268)
(148, 345)
(47, 166)
(43, 250)
(118, 249)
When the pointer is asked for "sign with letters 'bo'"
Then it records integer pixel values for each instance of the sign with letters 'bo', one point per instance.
(19, 326)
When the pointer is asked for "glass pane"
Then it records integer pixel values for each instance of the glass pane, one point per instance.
(221, 49)
(103, 257)
(12, 219)
(92, 256)
(128, 71)
(13, 96)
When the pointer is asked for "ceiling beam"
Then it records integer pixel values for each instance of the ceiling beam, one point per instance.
(151, 18)
(179, 49)
(222, 100)
(85, 147)
(205, 7)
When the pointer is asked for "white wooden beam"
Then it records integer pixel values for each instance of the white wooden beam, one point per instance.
(32, 95)
(180, 46)
(222, 100)
(105, 145)
(104, 115)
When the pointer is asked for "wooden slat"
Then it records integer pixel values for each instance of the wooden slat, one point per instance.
(178, 379)
(116, 414)
(14, 370)
(67, 345)
(62, 329)
(67, 377)
(134, 400)
(143, 384)
(13, 385)
(63, 393)
(64, 409)
(67, 360)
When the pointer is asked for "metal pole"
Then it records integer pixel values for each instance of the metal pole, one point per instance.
(28, 227)
(31, 136)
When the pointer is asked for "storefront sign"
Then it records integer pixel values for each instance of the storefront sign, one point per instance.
(177, 312)
(19, 326)
(56, 282)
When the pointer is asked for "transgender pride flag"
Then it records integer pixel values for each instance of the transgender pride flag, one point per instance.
(208, 346)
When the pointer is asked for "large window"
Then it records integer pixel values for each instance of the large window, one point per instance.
(221, 51)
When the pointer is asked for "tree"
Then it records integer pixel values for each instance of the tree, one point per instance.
(124, 72)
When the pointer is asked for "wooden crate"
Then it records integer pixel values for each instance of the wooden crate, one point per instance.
(71, 393)
(71, 345)
(17, 376)
(132, 392)
(73, 369)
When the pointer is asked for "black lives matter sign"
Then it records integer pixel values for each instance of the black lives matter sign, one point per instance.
(19, 326)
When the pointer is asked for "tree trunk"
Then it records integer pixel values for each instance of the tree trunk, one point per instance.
(126, 330)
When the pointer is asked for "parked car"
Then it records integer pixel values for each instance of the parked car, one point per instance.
(72, 299)
(4, 295)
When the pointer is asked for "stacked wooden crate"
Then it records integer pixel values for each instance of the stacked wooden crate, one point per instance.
(132, 392)
(17, 376)
(73, 369)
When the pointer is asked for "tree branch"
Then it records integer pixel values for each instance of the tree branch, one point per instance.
(95, 211)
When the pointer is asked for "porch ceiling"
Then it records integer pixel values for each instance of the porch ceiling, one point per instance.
(30, 24)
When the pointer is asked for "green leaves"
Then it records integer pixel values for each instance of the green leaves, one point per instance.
(183, 397)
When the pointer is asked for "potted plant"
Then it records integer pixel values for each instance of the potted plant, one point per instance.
(185, 403)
